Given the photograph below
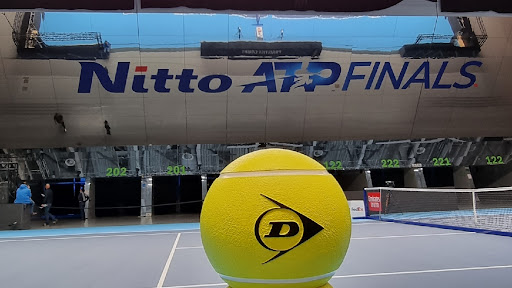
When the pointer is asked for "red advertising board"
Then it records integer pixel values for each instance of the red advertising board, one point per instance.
(374, 201)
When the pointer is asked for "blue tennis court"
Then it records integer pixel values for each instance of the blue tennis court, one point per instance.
(148, 256)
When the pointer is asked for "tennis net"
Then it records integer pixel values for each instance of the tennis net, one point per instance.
(488, 209)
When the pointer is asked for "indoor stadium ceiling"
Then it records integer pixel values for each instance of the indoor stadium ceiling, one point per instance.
(178, 78)
(385, 7)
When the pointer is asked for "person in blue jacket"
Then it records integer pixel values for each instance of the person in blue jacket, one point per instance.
(24, 196)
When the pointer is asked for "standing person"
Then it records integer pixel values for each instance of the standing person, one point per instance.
(82, 198)
(106, 47)
(59, 119)
(47, 204)
(24, 196)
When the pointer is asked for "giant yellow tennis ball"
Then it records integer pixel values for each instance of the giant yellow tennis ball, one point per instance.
(278, 218)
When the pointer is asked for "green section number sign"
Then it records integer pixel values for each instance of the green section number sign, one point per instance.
(438, 162)
(116, 172)
(333, 165)
(390, 163)
(494, 160)
(175, 170)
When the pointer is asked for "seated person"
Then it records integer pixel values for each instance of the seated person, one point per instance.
(24, 196)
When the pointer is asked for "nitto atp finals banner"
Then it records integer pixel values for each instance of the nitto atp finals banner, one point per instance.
(265, 76)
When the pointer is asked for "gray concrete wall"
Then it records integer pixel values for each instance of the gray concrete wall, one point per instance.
(91, 211)
(146, 194)
(353, 184)
(410, 179)
(462, 178)
(492, 176)
(414, 178)
(4, 193)
(204, 185)
(11, 213)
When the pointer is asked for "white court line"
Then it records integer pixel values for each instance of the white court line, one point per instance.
(199, 285)
(375, 274)
(86, 237)
(136, 233)
(189, 247)
(168, 263)
(413, 235)
(373, 223)
(424, 271)
(144, 233)
(368, 238)
(113, 232)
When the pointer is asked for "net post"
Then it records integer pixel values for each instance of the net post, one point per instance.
(380, 204)
(473, 196)
(366, 206)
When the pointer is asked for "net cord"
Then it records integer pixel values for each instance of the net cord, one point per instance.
(474, 206)
(440, 190)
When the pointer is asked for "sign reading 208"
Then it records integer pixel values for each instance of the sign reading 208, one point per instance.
(313, 78)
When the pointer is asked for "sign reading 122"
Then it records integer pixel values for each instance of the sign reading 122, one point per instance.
(494, 160)
(333, 165)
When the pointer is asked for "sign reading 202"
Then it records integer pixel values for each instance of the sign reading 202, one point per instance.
(116, 172)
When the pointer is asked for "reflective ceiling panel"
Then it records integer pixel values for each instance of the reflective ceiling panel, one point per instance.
(182, 78)
(391, 7)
